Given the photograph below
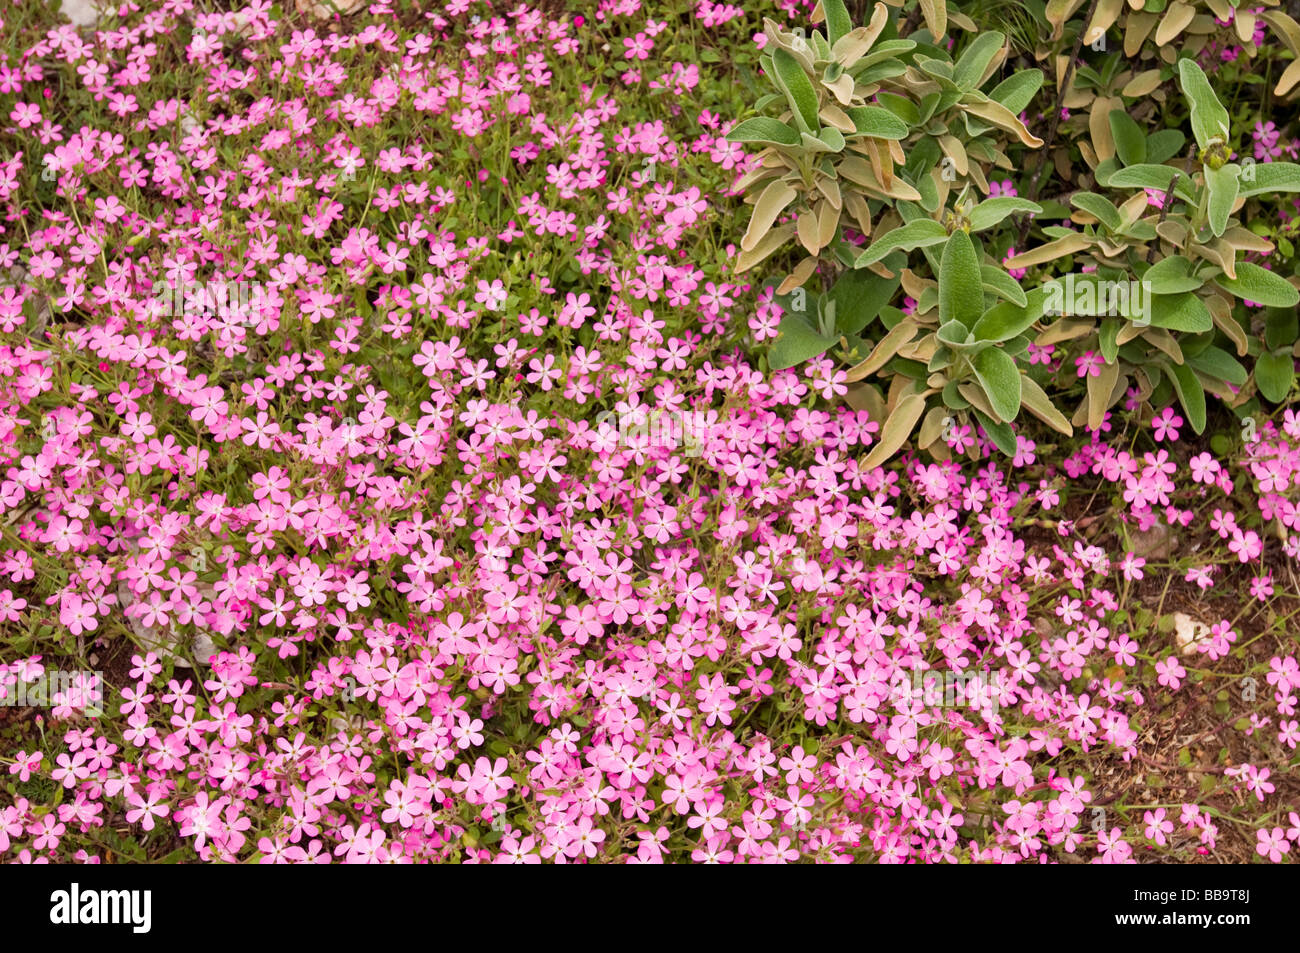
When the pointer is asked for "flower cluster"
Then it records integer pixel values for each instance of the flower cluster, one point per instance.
(369, 577)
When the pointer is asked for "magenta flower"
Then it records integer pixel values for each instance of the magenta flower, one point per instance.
(1272, 844)
(1166, 424)
(1089, 364)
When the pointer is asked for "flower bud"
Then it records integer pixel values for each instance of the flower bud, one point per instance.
(1215, 155)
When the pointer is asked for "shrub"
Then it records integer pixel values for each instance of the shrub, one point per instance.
(965, 353)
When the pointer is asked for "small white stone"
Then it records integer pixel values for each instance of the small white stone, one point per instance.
(240, 22)
(163, 642)
(324, 11)
(346, 725)
(203, 647)
(1188, 632)
(81, 12)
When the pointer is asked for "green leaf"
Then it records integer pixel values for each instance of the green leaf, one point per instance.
(886, 50)
(1222, 186)
(1130, 140)
(919, 234)
(998, 375)
(1106, 339)
(1192, 345)
(1172, 276)
(1164, 145)
(821, 49)
(1099, 207)
(1087, 295)
(1274, 372)
(1005, 320)
(929, 193)
(952, 396)
(939, 69)
(976, 58)
(859, 296)
(798, 88)
(1268, 177)
(1017, 90)
(1190, 393)
(992, 211)
(838, 21)
(1140, 231)
(900, 106)
(881, 71)
(877, 122)
(765, 130)
(908, 368)
(890, 316)
(1002, 322)
(1018, 345)
(1150, 177)
(955, 335)
(832, 138)
(998, 283)
(1281, 328)
(1219, 364)
(1184, 312)
(815, 144)
(1209, 118)
(1260, 285)
(1003, 437)
(961, 292)
(796, 342)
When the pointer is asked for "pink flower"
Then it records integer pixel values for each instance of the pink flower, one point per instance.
(1157, 826)
(1170, 673)
(1166, 424)
(1272, 844)
(1016, 273)
(1089, 364)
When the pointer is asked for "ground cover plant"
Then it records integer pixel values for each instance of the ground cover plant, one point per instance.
(507, 433)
